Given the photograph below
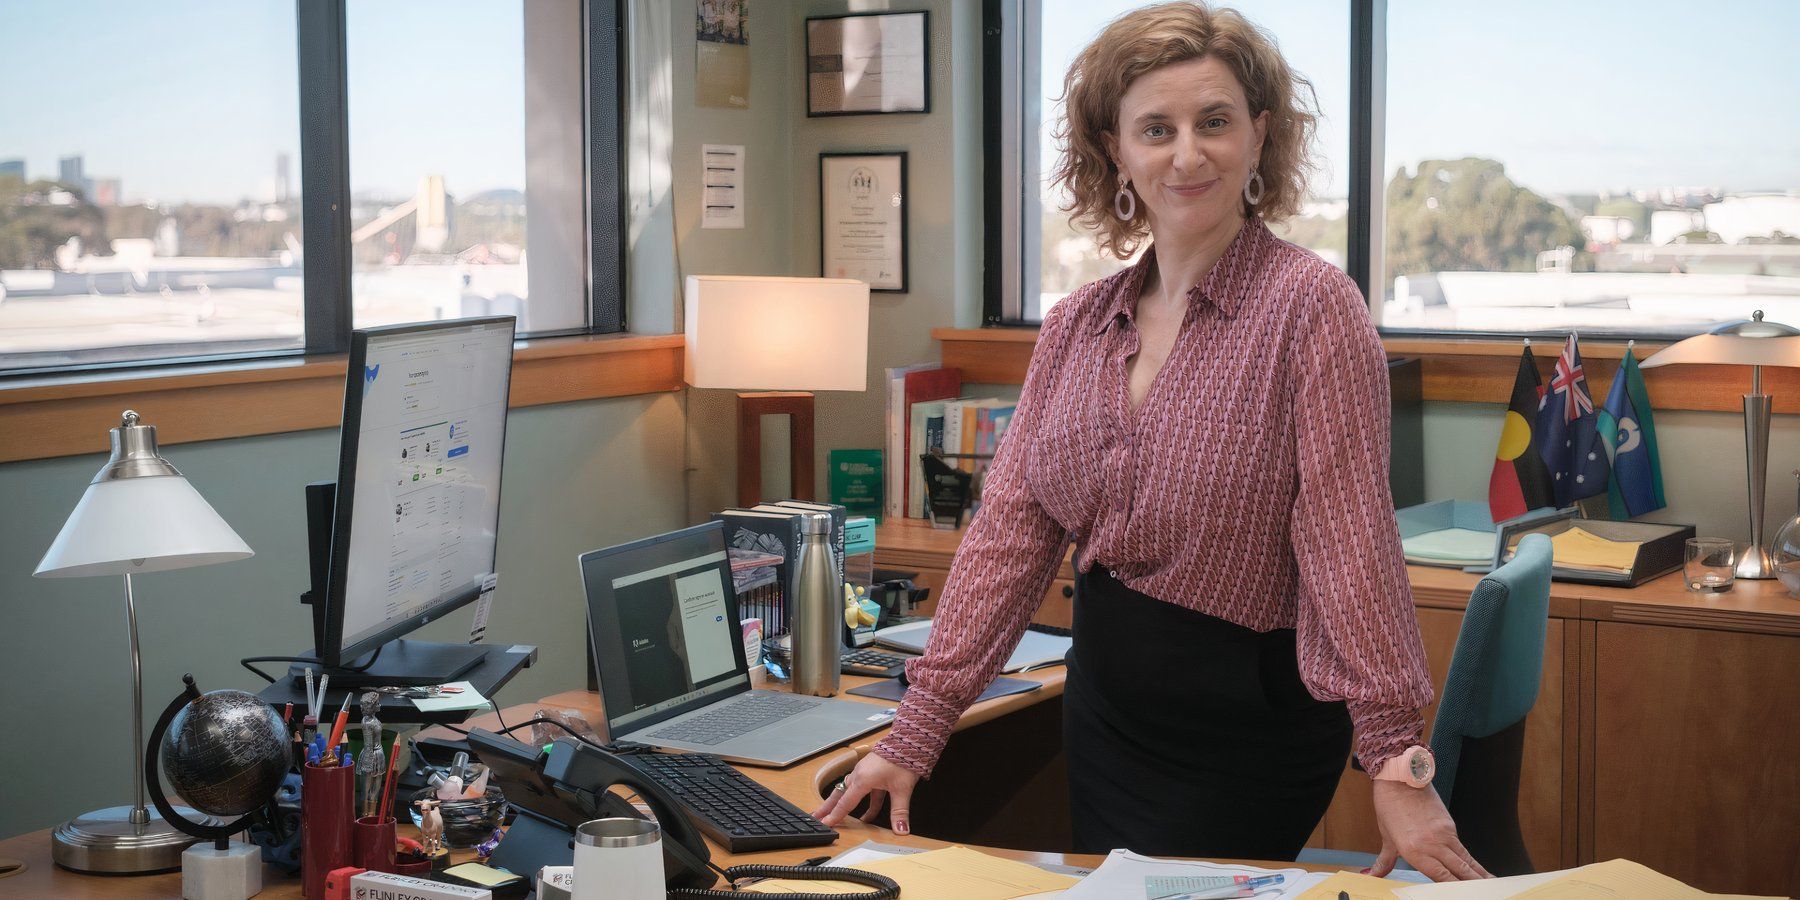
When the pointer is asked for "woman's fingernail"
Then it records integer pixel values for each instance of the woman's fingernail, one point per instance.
(1365, 870)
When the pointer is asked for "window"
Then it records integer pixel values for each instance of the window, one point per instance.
(149, 199)
(163, 202)
(453, 212)
(1577, 167)
(1057, 255)
(1552, 169)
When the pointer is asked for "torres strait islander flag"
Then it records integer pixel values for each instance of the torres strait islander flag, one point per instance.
(1521, 481)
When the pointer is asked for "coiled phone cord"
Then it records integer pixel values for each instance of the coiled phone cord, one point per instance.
(886, 887)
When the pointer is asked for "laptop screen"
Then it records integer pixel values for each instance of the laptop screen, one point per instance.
(663, 621)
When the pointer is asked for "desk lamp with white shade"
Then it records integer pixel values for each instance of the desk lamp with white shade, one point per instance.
(778, 339)
(138, 515)
(1755, 343)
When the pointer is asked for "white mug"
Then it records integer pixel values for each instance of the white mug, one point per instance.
(619, 859)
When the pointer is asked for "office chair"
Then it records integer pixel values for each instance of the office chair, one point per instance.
(1478, 736)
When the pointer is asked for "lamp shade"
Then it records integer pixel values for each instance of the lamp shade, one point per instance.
(137, 525)
(1750, 342)
(752, 333)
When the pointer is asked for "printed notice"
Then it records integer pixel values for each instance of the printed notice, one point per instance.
(722, 191)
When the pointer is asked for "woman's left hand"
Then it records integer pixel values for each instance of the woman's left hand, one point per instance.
(1415, 825)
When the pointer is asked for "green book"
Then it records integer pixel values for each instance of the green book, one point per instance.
(856, 482)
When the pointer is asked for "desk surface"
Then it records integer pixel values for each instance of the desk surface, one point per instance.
(802, 783)
(1762, 607)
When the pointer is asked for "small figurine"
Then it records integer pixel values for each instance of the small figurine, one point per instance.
(431, 826)
(485, 849)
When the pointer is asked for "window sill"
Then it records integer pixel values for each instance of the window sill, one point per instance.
(71, 414)
(1476, 371)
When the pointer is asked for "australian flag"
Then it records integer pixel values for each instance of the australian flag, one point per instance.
(1568, 437)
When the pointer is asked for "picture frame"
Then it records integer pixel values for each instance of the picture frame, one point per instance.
(863, 218)
(864, 64)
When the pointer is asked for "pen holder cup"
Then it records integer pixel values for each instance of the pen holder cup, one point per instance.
(327, 794)
(373, 842)
(466, 822)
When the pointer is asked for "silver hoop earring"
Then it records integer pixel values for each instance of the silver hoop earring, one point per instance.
(1257, 180)
(1124, 203)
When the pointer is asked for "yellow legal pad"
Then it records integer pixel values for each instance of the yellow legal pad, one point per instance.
(951, 872)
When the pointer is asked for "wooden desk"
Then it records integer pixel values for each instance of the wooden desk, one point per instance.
(803, 783)
(1666, 730)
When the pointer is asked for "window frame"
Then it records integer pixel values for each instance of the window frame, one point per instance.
(1009, 47)
(321, 35)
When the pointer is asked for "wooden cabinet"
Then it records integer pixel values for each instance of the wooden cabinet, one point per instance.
(1666, 729)
(1695, 757)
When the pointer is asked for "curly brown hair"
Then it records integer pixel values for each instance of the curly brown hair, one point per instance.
(1150, 38)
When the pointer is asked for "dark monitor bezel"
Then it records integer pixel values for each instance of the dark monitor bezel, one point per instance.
(332, 654)
(598, 569)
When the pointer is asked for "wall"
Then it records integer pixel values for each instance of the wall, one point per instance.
(578, 476)
(944, 220)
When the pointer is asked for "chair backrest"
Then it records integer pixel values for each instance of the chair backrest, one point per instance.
(1495, 672)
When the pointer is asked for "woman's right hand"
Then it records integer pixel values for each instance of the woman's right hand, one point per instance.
(877, 779)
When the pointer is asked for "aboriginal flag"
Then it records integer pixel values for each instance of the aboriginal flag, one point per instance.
(1520, 481)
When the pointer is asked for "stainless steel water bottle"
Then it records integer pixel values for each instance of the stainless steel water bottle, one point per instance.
(817, 611)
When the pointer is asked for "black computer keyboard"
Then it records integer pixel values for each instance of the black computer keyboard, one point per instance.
(740, 814)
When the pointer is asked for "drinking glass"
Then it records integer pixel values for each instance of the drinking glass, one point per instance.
(1711, 564)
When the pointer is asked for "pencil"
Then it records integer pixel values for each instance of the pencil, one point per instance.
(387, 783)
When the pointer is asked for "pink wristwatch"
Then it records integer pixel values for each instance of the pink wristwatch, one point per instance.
(1414, 766)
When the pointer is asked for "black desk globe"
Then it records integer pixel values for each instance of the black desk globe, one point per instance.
(224, 752)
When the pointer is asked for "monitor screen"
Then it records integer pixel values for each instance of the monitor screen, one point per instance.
(418, 495)
(664, 623)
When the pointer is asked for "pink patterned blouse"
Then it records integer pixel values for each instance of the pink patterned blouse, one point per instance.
(1250, 485)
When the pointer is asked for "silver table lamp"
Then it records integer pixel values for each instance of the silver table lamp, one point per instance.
(1755, 343)
(138, 515)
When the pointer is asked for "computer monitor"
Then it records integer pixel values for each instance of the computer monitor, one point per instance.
(415, 517)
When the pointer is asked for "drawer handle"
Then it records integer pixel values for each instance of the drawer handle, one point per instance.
(1068, 590)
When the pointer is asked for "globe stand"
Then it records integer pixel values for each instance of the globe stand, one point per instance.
(225, 870)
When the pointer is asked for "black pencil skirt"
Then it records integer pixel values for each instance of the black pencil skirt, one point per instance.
(1187, 735)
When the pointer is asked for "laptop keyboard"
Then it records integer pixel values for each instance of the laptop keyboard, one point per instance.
(733, 718)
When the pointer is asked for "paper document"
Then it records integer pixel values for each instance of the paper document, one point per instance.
(1578, 548)
(1035, 648)
(951, 872)
(1613, 879)
(1124, 875)
(468, 698)
(1450, 545)
(1358, 887)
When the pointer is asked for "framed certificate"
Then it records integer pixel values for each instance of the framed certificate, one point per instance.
(862, 218)
(867, 64)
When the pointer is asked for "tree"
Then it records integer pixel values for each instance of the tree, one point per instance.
(32, 227)
(1466, 215)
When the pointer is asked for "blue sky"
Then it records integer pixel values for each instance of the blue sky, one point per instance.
(193, 99)
(1570, 96)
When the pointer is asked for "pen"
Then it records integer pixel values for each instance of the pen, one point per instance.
(324, 680)
(287, 715)
(1343, 895)
(312, 707)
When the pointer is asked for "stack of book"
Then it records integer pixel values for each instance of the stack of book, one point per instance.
(766, 535)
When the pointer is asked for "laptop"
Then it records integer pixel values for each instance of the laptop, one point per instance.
(669, 657)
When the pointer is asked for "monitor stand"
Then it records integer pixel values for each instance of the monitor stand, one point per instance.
(402, 663)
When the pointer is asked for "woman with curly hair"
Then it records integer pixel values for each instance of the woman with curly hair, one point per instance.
(1210, 427)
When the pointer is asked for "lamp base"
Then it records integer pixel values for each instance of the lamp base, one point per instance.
(1754, 562)
(106, 841)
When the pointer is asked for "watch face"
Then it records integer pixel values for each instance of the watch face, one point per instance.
(1421, 766)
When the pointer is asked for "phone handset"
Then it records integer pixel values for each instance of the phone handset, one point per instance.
(686, 860)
